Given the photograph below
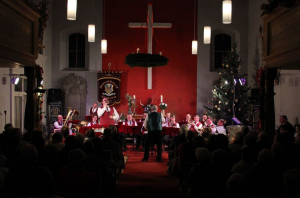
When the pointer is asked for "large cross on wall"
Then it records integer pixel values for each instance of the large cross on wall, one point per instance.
(150, 25)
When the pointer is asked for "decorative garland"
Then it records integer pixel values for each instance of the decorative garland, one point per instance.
(146, 60)
(40, 100)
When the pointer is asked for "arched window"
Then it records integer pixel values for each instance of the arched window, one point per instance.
(221, 43)
(77, 50)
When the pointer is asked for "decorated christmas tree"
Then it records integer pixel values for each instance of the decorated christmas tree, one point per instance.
(229, 94)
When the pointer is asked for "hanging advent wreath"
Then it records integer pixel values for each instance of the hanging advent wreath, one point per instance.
(146, 60)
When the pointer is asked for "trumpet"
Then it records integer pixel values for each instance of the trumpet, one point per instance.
(190, 122)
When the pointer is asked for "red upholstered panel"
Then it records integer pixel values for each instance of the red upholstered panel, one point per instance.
(177, 81)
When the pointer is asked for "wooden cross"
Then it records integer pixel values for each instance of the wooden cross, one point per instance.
(150, 25)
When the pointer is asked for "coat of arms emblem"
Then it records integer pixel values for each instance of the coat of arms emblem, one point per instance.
(109, 88)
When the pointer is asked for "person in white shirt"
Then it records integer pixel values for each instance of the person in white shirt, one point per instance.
(129, 121)
(167, 120)
(220, 129)
(196, 125)
(167, 138)
(94, 121)
(59, 123)
(107, 115)
(94, 110)
(210, 124)
(172, 122)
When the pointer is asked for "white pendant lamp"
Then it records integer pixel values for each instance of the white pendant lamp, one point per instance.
(194, 46)
(72, 7)
(206, 34)
(103, 41)
(227, 8)
(91, 33)
(194, 42)
(103, 46)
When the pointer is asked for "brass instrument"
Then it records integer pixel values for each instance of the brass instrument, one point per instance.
(71, 112)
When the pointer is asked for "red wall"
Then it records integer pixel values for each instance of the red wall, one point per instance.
(177, 81)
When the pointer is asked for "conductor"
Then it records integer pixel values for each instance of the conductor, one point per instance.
(153, 123)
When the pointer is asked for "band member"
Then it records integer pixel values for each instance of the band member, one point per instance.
(59, 123)
(94, 110)
(220, 129)
(204, 118)
(107, 114)
(210, 124)
(168, 119)
(196, 125)
(94, 121)
(172, 122)
(188, 118)
(129, 121)
(144, 116)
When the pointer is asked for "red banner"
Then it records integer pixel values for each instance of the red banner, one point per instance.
(109, 85)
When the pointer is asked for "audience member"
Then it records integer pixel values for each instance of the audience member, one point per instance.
(74, 180)
(43, 185)
(237, 186)
(89, 134)
(57, 139)
(80, 139)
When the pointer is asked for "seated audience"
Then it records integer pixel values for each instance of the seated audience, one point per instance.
(74, 180)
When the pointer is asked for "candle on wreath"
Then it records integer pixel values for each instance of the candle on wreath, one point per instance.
(161, 98)
(133, 96)
(138, 50)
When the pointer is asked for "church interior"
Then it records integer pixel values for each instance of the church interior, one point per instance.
(60, 57)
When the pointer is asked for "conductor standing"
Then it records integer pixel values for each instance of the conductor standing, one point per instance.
(153, 123)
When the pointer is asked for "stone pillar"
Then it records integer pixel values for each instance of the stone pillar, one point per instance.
(30, 120)
(269, 108)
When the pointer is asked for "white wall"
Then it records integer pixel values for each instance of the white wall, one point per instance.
(255, 42)
(60, 32)
(210, 13)
(287, 96)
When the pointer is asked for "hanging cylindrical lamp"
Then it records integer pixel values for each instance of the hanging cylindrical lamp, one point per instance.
(72, 7)
(103, 46)
(194, 46)
(206, 34)
(91, 33)
(194, 42)
(227, 8)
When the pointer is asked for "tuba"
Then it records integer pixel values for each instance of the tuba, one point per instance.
(71, 112)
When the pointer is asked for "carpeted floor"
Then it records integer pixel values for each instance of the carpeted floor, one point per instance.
(146, 179)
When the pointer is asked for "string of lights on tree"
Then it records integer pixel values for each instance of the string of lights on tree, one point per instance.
(229, 94)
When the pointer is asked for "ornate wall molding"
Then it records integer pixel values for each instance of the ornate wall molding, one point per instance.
(76, 86)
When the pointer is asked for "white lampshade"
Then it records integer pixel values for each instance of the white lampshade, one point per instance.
(91, 31)
(72, 7)
(206, 34)
(194, 46)
(103, 46)
(227, 8)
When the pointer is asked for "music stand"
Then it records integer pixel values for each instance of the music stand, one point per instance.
(132, 130)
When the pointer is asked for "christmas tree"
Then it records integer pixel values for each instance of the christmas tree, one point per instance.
(229, 94)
